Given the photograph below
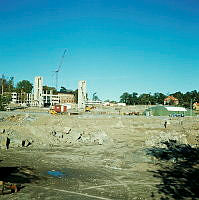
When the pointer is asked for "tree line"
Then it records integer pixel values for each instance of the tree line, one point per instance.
(7, 85)
(185, 99)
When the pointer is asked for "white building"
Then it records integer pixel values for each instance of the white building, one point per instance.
(41, 98)
(22, 98)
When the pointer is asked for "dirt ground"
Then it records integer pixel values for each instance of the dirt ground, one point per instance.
(89, 156)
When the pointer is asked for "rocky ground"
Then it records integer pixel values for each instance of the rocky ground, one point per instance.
(92, 155)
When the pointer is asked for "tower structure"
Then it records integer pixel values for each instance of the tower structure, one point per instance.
(81, 94)
(38, 90)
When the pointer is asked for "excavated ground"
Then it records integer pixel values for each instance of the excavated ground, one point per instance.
(88, 156)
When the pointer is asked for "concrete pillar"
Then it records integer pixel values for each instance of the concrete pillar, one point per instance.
(81, 94)
(38, 90)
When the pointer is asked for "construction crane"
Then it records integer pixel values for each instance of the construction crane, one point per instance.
(59, 67)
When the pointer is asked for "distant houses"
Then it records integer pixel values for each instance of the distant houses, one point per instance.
(170, 100)
(196, 106)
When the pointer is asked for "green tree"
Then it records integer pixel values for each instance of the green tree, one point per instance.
(24, 86)
(126, 98)
(66, 91)
(76, 95)
(47, 88)
(190, 97)
(134, 99)
(145, 99)
(95, 97)
(107, 100)
(10, 84)
(1, 103)
(159, 98)
(6, 84)
(4, 100)
(63, 90)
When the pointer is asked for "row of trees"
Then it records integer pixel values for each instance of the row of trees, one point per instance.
(185, 99)
(7, 85)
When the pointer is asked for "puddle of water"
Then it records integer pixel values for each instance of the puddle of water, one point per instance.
(56, 173)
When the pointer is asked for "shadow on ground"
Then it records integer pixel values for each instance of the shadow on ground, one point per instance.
(18, 175)
(178, 170)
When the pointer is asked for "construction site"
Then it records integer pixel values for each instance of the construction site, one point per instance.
(65, 146)
(99, 100)
(108, 152)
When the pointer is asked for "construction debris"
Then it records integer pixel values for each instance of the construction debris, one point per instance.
(8, 188)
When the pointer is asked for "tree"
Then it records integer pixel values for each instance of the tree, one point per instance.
(24, 86)
(134, 98)
(145, 99)
(107, 100)
(1, 103)
(63, 89)
(4, 100)
(126, 98)
(76, 95)
(66, 91)
(159, 98)
(47, 88)
(10, 84)
(95, 97)
(6, 84)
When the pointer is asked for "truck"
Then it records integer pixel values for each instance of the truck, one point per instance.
(58, 109)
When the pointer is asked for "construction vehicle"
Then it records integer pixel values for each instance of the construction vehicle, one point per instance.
(58, 109)
(89, 108)
(52, 112)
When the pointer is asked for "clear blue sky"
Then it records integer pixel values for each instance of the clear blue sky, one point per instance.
(116, 45)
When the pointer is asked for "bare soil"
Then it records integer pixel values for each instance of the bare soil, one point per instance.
(98, 157)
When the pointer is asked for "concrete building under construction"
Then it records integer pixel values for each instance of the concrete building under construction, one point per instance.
(40, 97)
(82, 94)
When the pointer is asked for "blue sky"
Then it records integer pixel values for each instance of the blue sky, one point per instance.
(116, 45)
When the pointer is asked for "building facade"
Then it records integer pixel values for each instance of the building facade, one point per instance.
(40, 97)
(22, 98)
(66, 98)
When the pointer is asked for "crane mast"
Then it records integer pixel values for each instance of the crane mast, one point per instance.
(59, 67)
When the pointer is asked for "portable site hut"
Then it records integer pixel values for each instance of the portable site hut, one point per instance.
(167, 111)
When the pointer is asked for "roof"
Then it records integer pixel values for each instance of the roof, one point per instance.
(172, 98)
(172, 108)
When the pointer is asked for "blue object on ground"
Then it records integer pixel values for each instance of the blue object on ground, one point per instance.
(56, 173)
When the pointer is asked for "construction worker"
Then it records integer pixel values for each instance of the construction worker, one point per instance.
(165, 124)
